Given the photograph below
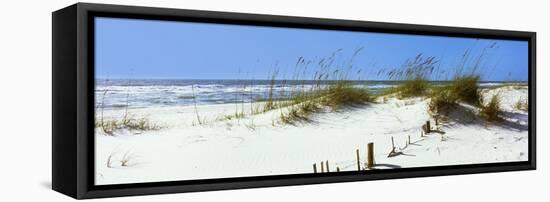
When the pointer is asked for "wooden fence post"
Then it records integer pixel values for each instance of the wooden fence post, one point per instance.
(315, 168)
(322, 166)
(337, 169)
(326, 163)
(409, 140)
(370, 155)
(392, 145)
(358, 162)
(428, 127)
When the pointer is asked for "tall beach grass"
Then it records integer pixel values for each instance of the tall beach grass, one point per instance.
(323, 84)
(413, 75)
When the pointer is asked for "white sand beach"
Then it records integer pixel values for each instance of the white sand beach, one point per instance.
(259, 145)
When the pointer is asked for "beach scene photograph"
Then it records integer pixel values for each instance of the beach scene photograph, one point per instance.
(177, 101)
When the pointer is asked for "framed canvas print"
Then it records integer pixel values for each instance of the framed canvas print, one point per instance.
(154, 100)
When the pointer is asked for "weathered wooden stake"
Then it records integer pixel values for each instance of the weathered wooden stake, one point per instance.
(424, 128)
(326, 163)
(428, 127)
(409, 140)
(314, 168)
(421, 133)
(392, 145)
(370, 155)
(322, 166)
(337, 169)
(358, 163)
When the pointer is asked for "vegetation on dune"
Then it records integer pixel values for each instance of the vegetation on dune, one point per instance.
(298, 112)
(460, 89)
(413, 88)
(337, 95)
(326, 84)
(492, 111)
(329, 88)
(465, 88)
(127, 121)
(414, 75)
(343, 93)
(332, 87)
(442, 101)
(464, 85)
(111, 125)
(521, 105)
(270, 101)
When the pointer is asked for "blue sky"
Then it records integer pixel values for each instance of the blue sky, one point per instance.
(128, 48)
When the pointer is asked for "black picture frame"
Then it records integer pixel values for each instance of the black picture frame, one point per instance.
(73, 98)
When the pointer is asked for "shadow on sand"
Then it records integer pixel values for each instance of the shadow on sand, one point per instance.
(466, 115)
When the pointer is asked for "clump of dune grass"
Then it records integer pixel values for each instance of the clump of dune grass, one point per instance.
(127, 160)
(109, 126)
(298, 112)
(336, 95)
(521, 105)
(462, 89)
(269, 105)
(465, 84)
(331, 89)
(442, 101)
(465, 88)
(492, 111)
(328, 88)
(412, 88)
(414, 75)
(343, 93)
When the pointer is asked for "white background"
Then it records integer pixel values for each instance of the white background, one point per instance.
(25, 102)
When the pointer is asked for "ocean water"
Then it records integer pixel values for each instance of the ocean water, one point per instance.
(138, 93)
